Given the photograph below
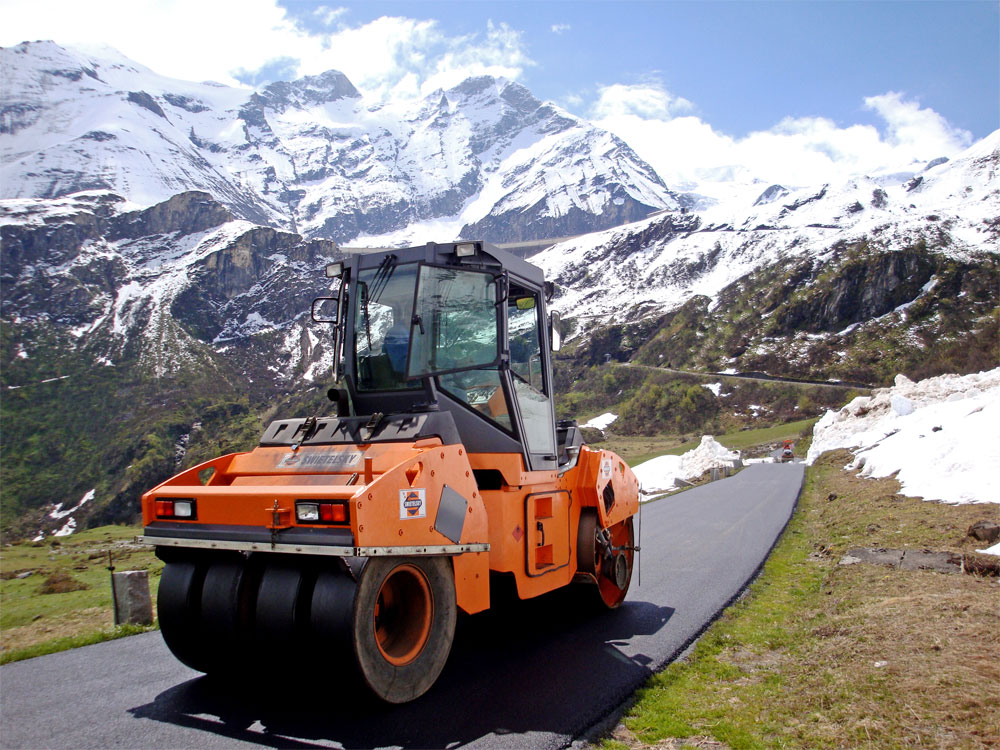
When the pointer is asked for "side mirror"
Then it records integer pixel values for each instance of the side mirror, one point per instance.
(324, 309)
(555, 330)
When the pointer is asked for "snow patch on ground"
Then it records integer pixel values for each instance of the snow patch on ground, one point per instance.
(602, 422)
(57, 511)
(661, 474)
(942, 435)
(715, 388)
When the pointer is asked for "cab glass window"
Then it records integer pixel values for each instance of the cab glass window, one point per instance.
(455, 323)
(383, 309)
(523, 326)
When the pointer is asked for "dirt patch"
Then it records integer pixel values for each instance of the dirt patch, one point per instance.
(8, 575)
(61, 582)
(623, 735)
(59, 626)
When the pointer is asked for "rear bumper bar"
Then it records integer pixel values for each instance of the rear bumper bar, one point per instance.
(311, 549)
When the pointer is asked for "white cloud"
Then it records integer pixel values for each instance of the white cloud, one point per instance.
(908, 124)
(645, 100)
(794, 152)
(499, 54)
(560, 28)
(198, 40)
(326, 16)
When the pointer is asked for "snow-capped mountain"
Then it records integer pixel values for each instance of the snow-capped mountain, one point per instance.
(657, 264)
(484, 159)
(854, 281)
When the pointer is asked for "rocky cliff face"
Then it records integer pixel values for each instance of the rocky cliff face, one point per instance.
(485, 158)
(861, 316)
(132, 338)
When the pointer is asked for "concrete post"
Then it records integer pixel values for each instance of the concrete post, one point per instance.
(133, 604)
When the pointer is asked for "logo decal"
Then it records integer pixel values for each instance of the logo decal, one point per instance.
(319, 460)
(606, 468)
(412, 504)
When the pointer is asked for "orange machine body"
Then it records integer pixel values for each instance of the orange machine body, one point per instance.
(392, 493)
(445, 468)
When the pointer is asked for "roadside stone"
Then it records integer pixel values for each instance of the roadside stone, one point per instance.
(889, 557)
(942, 562)
(905, 559)
(133, 605)
(985, 531)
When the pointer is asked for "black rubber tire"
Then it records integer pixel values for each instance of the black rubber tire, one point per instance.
(225, 616)
(332, 621)
(402, 660)
(586, 542)
(282, 611)
(610, 594)
(178, 606)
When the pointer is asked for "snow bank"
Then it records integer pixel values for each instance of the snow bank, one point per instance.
(715, 388)
(942, 435)
(601, 422)
(659, 475)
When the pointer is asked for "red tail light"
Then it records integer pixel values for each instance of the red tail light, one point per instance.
(314, 511)
(332, 513)
(176, 507)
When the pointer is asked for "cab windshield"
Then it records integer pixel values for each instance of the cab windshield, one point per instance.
(383, 309)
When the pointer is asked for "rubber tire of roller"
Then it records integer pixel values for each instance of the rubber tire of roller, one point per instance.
(622, 535)
(586, 542)
(225, 616)
(281, 606)
(332, 621)
(178, 607)
(399, 683)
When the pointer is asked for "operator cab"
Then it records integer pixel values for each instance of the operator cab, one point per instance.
(459, 328)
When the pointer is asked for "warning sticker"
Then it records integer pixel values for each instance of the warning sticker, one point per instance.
(319, 460)
(412, 504)
(606, 468)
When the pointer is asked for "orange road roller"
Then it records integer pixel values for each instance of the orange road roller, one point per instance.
(442, 468)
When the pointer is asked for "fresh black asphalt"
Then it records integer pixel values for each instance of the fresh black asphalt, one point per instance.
(535, 674)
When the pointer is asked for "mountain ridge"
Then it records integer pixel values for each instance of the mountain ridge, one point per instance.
(313, 155)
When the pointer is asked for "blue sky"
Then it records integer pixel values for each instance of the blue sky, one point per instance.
(744, 65)
(795, 91)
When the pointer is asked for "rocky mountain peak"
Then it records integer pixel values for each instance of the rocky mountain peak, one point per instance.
(308, 91)
(187, 213)
(485, 155)
(772, 194)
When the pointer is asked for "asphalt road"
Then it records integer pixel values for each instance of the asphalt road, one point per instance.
(536, 674)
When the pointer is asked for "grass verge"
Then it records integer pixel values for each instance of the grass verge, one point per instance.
(56, 594)
(72, 641)
(820, 654)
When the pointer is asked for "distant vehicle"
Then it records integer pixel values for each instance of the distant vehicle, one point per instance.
(786, 451)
